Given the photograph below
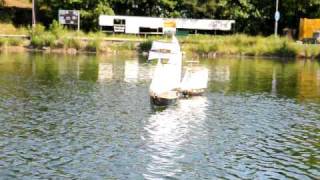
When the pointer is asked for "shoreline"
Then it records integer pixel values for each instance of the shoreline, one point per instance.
(109, 51)
(204, 46)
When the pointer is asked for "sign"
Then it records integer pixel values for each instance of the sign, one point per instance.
(69, 17)
(169, 26)
(277, 16)
(205, 24)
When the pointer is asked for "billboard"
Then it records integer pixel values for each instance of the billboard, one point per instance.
(69, 17)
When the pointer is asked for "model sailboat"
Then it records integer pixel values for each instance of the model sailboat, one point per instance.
(167, 76)
(195, 81)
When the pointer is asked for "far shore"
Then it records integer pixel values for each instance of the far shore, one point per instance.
(206, 46)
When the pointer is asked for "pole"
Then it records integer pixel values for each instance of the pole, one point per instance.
(78, 21)
(33, 14)
(276, 20)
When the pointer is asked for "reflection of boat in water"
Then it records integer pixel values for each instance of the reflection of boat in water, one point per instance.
(171, 131)
(195, 81)
(167, 76)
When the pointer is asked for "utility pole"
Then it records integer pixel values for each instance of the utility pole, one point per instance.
(276, 18)
(33, 14)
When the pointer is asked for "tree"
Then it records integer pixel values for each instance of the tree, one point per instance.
(2, 3)
(252, 16)
(89, 10)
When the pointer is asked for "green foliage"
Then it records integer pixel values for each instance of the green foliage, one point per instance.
(11, 42)
(37, 30)
(311, 51)
(15, 41)
(44, 40)
(204, 48)
(94, 45)
(3, 42)
(125, 46)
(253, 17)
(145, 46)
(286, 50)
(57, 29)
(72, 43)
(240, 44)
(89, 10)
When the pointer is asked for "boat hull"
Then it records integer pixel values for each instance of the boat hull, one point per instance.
(160, 101)
(193, 92)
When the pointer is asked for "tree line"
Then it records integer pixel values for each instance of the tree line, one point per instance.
(252, 16)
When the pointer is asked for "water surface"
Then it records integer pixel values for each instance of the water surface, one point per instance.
(89, 117)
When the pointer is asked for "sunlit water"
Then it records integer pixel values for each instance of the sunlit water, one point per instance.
(88, 117)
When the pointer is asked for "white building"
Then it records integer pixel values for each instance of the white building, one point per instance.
(155, 25)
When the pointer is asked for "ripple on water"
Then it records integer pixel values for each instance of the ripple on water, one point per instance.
(73, 128)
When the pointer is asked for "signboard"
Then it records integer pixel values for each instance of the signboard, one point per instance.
(71, 17)
(169, 26)
(169, 23)
(205, 24)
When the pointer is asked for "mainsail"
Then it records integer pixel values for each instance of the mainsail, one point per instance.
(163, 80)
(159, 55)
(167, 76)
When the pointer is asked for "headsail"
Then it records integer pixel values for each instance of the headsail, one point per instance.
(195, 79)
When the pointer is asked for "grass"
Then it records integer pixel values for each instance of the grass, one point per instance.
(6, 28)
(59, 37)
(240, 44)
(145, 46)
(4, 42)
(204, 45)
(94, 45)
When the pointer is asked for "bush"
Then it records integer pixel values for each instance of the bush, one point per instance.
(286, 50)
(56, 29)
(204, 48)
(126, 46)
(15, 41)
(94, 45)
(311, 51)
(3, 42)
(72, 43)
(39, 29)
(43, 40)
(145, 46)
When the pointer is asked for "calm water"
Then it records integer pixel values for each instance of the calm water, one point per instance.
(89, 117)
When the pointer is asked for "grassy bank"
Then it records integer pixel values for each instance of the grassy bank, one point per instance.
(244, 45)
(59, 39)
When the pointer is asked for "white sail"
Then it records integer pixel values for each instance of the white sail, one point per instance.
(167, 77)
(195, 79)
(159, 55)
(163, 46)
(164, 79)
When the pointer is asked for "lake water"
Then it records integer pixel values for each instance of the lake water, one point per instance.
(88, 117)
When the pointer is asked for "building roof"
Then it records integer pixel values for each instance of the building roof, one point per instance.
(18, 3)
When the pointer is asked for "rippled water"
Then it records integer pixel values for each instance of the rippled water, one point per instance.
(89, 117)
